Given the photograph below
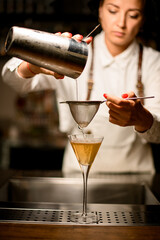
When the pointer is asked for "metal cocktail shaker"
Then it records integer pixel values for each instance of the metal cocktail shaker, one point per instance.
(62, 55)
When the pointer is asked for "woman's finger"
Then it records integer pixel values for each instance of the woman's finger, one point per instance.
(49, 72)
(66, 34)
(58, 34)
(88, 40)
(128, 95)
(78, 37)
(58, 76)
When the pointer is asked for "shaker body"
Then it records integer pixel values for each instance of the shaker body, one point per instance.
(62, 55)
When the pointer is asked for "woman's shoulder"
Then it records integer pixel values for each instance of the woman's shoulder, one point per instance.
(150, 51)
(99, 36)
(151, 56)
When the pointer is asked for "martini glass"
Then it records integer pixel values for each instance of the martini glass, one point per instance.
(85, 147)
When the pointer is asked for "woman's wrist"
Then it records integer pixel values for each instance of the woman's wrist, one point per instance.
(146, 122)
(30, 70)
(26, 70)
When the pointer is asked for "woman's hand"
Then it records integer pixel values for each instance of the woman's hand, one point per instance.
(77, 37)
(124, 112)
(27, 70)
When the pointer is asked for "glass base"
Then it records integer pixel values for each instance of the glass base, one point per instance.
(84, 219)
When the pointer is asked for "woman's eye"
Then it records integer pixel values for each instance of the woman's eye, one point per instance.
(134, 16)
(112, 11)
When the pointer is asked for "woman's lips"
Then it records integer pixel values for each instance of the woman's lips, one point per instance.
(119, 34)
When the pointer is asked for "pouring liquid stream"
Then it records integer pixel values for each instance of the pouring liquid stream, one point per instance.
(77, 98)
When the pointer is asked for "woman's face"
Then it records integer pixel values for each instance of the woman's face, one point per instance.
(121, 21)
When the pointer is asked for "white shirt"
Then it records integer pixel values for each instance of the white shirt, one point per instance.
(123, 149)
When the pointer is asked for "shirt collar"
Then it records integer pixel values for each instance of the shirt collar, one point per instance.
(122, 59)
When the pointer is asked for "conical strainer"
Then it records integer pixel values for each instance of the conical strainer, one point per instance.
(83, 111)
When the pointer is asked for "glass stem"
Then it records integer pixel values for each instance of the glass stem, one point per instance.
(85, 178)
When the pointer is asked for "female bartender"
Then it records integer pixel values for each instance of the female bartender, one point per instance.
(121, 68)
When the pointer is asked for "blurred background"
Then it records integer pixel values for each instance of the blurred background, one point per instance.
(29, 133)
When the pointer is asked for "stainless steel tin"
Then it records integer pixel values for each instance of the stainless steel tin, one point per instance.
(62, 55)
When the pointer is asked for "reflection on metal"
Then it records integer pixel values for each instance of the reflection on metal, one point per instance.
(60, 190)
(53, 200)
(59, 54)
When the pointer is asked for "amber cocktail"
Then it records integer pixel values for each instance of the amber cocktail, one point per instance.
(85, 147)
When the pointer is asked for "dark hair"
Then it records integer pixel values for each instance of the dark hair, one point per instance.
(151, 18)
(94, 5)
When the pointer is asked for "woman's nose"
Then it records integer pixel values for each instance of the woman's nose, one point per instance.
(122, 20)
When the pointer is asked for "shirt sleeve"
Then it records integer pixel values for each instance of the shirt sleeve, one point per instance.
(65, 89)
(25, 85)
(153, 134)
(151, 80)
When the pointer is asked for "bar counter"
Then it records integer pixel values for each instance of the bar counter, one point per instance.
(30, 231)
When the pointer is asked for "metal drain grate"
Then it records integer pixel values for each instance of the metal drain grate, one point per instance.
(123, 218)
(63, 217)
